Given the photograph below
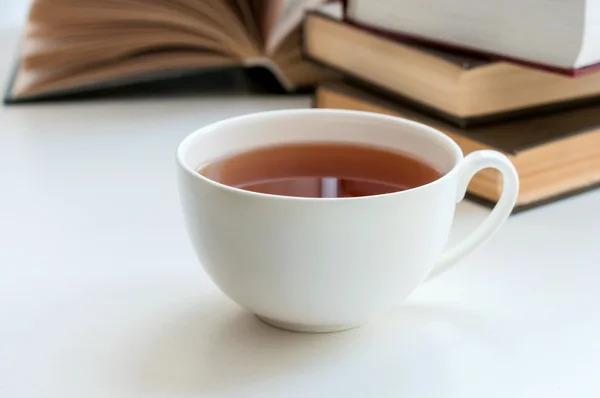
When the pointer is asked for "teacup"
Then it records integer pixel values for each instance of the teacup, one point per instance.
(323, 265)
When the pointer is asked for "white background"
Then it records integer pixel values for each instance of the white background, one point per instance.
(13, 12)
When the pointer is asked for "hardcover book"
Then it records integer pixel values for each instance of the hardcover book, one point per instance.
(556, 155)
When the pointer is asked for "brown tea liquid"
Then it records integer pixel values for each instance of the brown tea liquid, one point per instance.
(321, 170)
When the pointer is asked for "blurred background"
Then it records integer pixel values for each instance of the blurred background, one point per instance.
(13, 12)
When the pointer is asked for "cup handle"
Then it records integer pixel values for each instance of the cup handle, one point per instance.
(471, 165)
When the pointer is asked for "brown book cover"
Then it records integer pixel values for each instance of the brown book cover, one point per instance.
(462, 89)
(556, 155)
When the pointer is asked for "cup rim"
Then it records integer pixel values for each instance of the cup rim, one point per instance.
(186, 142)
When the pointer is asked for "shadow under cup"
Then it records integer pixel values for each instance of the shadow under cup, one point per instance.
(317, 264)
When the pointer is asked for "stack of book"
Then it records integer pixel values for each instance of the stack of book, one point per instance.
(488, 80)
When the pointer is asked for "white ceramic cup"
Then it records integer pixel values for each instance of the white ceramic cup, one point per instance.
(329, 264)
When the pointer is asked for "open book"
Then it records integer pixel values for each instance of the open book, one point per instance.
(70, 46)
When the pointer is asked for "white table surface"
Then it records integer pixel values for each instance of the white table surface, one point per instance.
(102, 296)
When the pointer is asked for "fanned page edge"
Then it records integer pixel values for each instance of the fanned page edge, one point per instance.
(21, 79)
(269, 17)
(20, 76)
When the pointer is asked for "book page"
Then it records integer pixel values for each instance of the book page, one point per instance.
(270, 12)
(209, 19)
(30, 83)
(70, 44)
(232, 16)
(333, 10)
(290, 17)
(51, 54)
(249, 17)
(297, 70)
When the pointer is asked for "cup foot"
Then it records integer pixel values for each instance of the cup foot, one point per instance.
(301, 328)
